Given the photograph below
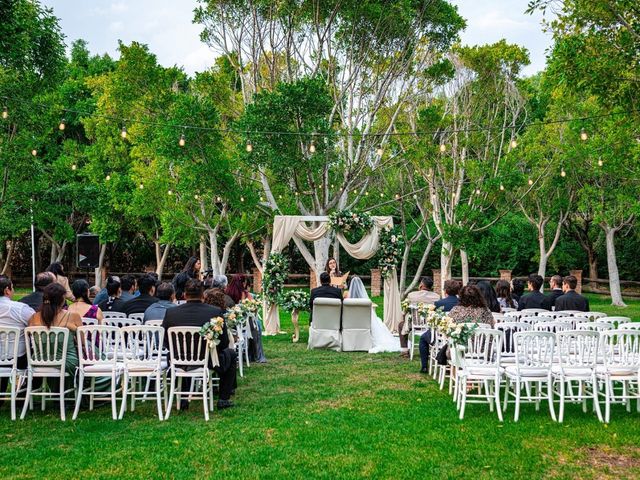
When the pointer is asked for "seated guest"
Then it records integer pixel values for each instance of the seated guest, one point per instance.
(195, 313)
(82, 305)
(14, 314)
(166, 299)
(215, 297)
(139, 304)
(472, 307)
(219, 282)
(113, 302)
(489, 295)
(571, 300)
(93, 293)
(238, 289)
(451, 289)
(103, 294)
(58, 270)
(325, 290)
(424, 294)
(556, 291)
(128, 283)
(517, 289)
(503, 292)
(34, 300)
(535, 298)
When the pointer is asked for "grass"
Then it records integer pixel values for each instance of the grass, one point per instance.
(321, 414)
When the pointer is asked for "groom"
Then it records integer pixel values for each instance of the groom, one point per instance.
(325, 290)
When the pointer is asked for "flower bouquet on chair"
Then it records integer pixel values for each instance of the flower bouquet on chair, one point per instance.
(211, 331)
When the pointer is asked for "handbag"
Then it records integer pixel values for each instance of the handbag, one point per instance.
(441, 356)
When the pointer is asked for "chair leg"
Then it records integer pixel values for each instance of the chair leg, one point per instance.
(507, 385)
(125, 391)
(463, 400)
(91, 396)
(13, 381)
(27, 398)
(158, 395)
(171, 394)
(63, 415)
(205, 389)
(516, 415)
(561, 413)
(496, 398)
(550, 397)
(78, 395)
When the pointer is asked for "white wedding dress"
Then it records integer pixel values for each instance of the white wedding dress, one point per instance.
(381, 338)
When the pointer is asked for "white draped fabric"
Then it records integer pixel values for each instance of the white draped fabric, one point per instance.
(286, 227)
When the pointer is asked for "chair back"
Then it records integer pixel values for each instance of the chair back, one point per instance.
(510, 329)
(577, 348)
(531, 319)
(534, 350)
(89, 321)
(553, 326)
(326, 313)
(46, 347)
(142, 345)
(107, 314)
(514, 315)
(621, 349)
(533, 311)
(500, 317)
(508, 309)
(154, 323)
(9, 343)
(121, 322)
(553, 315)
(484, 348)
(629, 326)
(614, 320)
(356, 314)
(137, 316)
(594, 326)
(187, 348)
(97, 345)
(590, 315)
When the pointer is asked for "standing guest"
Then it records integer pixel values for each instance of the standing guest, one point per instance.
(472, 307)
(166, 300)
(517, 289)
(451, 289)
(82, 305)
(535, 298)
(556, 291)
(219, 282)
(571, 300)
(13, 314)
(424, 294)
(58, 270)
(489, 295)
(128, 284)
(139, 304)
(195, 313)
(503, 292)
(325, 290)
(113, 302)
(238, 289)
(34, 300)
(191, 270)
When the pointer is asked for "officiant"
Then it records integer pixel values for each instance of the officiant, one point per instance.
(334, 273)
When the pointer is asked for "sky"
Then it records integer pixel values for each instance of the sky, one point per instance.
(166, 26)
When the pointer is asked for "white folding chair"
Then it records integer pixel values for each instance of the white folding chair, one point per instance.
(509, 309)
(120, 322)
(356, 325)
(97, 358)
(553, 315)
(107, 314)
(89, 321)
(532, 368)
(324, 331)
(154, 323)
(508, 346)
(137, 316)
(47, 358)
(142, 355)
(578, 355)
(9, 344)
(553, 326)
(480, 366)
(532, 312)
(500, 317)
(571, 313)
(418, 328)
(189, 358)
(620, 350)
(594, 326)
(590, 315)
(629, 326)
(514, 315)
(530, 319)
(615, 321)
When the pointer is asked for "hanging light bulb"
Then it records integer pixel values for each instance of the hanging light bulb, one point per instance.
(249, 146)
(530, 182)
(218, 199)
(312, 147)
(415, 196)
(514, 144)
(74, 166)
(108, 177)
(583, 135)
(196, 196)
(63, 125)
(379, 151)
(443, 148)
(242, 198)
(397, 196)
(477, 191)
(182, 141)
(34, 152)
(123, 133)
(5, 113)
(600, 162)
(563, 173)
(261, 198)
(366, 193)
(170, 192)
(501, 187)
(381, 195)
(141, 186)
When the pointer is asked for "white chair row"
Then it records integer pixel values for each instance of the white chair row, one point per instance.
(135, 316)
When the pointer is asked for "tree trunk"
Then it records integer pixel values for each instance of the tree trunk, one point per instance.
(446, 258)
(544, 257)
(61, 251)
(336, 250)
(204, 259)
(321, 253)
(98, 271)
(54, 253)
(612, 265)
(6, 268)
(464, 261)
(161, 257)
(593, 268)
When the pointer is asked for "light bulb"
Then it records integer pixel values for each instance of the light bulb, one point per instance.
(477, 191)
(600, 162)
(397, 196)
(514, 144)
(261, 198)
(123, 133)
(5, 113)
(379, 151)
(530, 182)
(170, 192)
(312, 148)
(196, 196)
(415, 197)
(141, 186)
(108, 178)
(366, 193)
(242, 198)
(583, 135)
(332, 186)
(443, 148)
(249, 147)
(73, 167)
(501, 188)
(182, 141)
(381, 195)
(218, 199)
(563, 173)
(63, 125)
(34, 152)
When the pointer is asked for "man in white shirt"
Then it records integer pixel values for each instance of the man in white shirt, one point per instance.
(13, 314)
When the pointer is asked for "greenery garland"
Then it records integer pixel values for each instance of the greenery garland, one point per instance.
(347, 221)
(390, 251)
(274, 276)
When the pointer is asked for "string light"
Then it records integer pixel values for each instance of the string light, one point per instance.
(312, 147)
(530, 182)
(397, 196)
(170, 192)
(443, 148)
(5, 113)
(379, 151)
(563, 173)
(74, 166)
(108, 178)
(249, 147)
(218, 199)
(600, 162)
(477, 191)
(34, 152)
(415, 196)
(501, 187)
(242, 199)
(141, 186)
(182, 141)
(366, 193)
(123, 133)
(583, 135)
(514, 144)
(381, 195)
(63, 125)
(196, 196)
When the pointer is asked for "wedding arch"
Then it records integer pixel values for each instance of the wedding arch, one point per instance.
(286, 227)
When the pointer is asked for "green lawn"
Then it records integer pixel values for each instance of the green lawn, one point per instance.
(323, 414)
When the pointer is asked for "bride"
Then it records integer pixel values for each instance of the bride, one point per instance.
(381, 338)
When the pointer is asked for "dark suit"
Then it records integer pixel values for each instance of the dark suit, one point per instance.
(138, 304)
(324, 291)
(196, 314)
(551, 297)
(34, 300)
(447, 303)
(572, 301)
(532, 300)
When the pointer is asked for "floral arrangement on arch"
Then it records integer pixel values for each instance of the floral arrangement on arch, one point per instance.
(274, 276)
(212, 330)
(295, 300)
(347, 221)
(391, 250)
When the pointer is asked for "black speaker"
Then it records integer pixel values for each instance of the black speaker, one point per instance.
(88, 248)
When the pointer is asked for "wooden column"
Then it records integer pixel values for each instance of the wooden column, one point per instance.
(257, 281)
(376, 282)
(313, 281)
(437, 282)
(578, 275)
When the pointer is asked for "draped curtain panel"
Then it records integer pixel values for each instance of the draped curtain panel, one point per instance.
(284, 229)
